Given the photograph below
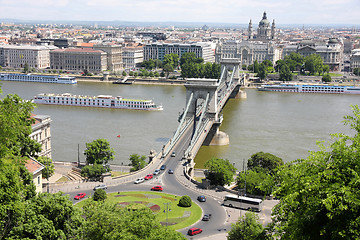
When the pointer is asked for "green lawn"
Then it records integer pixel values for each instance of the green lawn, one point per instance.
(178, 217)
(118, 173)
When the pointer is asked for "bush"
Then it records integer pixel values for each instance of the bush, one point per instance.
(99, 195)
(93, 171)
(185, 201)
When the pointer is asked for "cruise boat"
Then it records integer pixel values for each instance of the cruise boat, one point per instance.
(37, 78)
(103, 101)
(311, 88)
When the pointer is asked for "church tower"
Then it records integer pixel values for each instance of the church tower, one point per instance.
(264, 30)
(273, 33)
(250, 30)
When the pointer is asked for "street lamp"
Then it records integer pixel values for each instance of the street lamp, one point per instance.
(167, 210)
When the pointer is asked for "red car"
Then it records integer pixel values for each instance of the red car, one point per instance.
(149, 176)
(194, 231)
(157, 188)
(79, 196)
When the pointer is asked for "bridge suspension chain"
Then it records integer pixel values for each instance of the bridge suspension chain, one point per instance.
(200, 120)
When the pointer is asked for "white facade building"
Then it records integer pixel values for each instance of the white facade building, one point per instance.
(16, 56)
(132, 56)
(41, 133)
(355, 59)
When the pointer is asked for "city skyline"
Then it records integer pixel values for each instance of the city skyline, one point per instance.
(229, 11)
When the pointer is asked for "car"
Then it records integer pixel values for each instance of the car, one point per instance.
(79, 196)
(157, 171)
(149, 176)
(173, 154)
(157, 188)
(139, 180)
(163, 167)
(206, 217)
(101, 186)
(201, 198)
(193, 231)
(170, 171)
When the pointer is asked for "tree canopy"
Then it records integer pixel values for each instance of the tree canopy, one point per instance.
(193, 67)
(247, 228)
(49, 168)
(138, 162)
(220, 171)
(320, 195)
(266, 161)
(99, 152)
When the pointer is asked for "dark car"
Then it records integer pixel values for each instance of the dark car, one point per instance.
(206, 217)
(101, 186)
(194, 231)
(201, 198)
(157, 188)
(163, 167)
(79, 196)
(170, 171)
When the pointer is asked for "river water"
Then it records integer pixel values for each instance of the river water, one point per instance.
(285, 124)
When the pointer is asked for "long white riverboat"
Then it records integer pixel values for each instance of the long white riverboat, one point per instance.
(37, 78)
(103, 101)
(311, 88)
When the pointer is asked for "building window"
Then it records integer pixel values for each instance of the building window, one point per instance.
(38, 178)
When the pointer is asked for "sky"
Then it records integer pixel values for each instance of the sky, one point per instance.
(211, 11)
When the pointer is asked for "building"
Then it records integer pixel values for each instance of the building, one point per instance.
(330, 51)
(132, 56)
(35, 168)
(355, 59)
(159, 50)
(78, 59)
(113, 56)
(16, 56)
(248, 51)
(59, 42)
(41, 133)
(264, 31)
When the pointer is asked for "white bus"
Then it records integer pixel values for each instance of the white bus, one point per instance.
(253, 204)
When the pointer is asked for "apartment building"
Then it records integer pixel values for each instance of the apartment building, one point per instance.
(159, 50)
(132, 56)
(113, 55)
(355, 59)
(16, 56)
(41, 133)
(78, 59)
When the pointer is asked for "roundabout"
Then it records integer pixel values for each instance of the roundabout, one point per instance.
(164, 206)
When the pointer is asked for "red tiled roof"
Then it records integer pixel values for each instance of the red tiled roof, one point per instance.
(33, 166)
(36, 121)
(78, 50)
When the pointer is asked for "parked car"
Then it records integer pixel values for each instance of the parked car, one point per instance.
(157, 171)
(163, 167)
(149, 176)
(79, 196)
(194, 231)
(170, 171)
(206, 217)
(173, 154)
(139, 180)
(157, 188)
(201, 198)
(101, 186)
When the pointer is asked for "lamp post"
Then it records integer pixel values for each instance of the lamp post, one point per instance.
(167, 209)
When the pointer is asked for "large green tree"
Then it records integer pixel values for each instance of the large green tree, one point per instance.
(99, 152)
(314, 64)
(220, 171)
(247, 228)
(49, 169)
(172, 59)
(285, 74)
(138, 162)
(319, 196)
(266, 161)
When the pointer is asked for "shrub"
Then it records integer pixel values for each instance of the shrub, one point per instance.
(99, 195)
(185, 201)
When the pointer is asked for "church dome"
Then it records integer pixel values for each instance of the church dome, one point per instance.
(333, 41)
(264, 22)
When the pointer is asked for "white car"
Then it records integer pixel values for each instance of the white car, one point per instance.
(101, 186)
(157, 171)
(139, 180)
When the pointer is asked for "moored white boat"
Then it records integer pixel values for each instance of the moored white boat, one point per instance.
(311, 88)
(103, 101)
(37, 78)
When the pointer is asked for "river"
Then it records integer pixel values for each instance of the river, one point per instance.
(285, 124)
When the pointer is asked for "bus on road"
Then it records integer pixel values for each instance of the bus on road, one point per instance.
(253, 204)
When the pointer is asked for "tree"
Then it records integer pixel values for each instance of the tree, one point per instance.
(325, 69)
(314, 64)
(266, 161)
(158, 63)
(247, 228)
(262, 71)
(138, 162)
(49, 169)
(108, 221)
(294, 61)
(171, 59)
(185, 201)
(285, 74)
(187, 58)
(136, 74)
(167, 69)
(258, 181)
(220, 171)
(26, 68)
(15, 127)
(131, 73)
(256, 67)
(356, 71)
(93, 171)
(124, 74)
(326, 78)
(320, 194)
(99, 152)
(156, 74)
(99, 195)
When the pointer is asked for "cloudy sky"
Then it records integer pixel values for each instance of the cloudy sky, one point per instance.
(221, 11)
